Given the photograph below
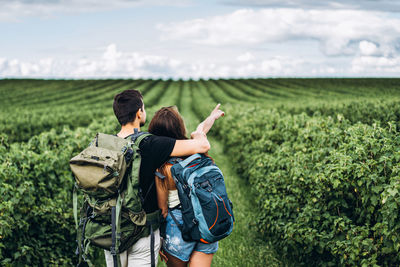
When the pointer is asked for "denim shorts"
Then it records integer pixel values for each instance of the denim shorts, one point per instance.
(179, 248)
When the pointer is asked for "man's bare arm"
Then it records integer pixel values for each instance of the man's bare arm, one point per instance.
(199, 144)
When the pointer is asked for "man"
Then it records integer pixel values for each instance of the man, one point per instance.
(155, 150)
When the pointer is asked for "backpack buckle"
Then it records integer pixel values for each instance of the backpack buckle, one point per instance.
(206, 185)
(128, 155)
(195, 221)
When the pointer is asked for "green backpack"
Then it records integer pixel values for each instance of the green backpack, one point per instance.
(112, 216)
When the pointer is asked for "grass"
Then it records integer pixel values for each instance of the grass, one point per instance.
(243, 247)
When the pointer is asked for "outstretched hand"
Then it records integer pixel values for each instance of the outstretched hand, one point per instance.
(206, 125)
(217, 113)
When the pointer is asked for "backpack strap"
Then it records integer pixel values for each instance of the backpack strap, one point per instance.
(153, 260)
(174, 160)
(114, 236)
(83, 248)
(116, 230)
(75, 205)
(152, 221)
(78, 250)
(180, 226)
(187, 161)
(137, 136)
(159, 175)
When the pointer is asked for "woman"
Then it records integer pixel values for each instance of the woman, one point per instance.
(168, 122)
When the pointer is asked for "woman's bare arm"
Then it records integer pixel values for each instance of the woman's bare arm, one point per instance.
(199, 142)
(206, 125)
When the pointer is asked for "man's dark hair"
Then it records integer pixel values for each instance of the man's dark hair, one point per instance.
(126, 105)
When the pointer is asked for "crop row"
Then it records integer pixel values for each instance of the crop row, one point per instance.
(327, 188)
(368, 111)
(33, 92)
(20, 124)
(29, 107)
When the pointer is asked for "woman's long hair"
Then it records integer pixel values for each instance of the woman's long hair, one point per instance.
(168, 122)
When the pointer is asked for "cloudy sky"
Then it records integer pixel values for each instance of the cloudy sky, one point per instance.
(199, 39)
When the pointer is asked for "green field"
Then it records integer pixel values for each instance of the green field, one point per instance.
(312, 165)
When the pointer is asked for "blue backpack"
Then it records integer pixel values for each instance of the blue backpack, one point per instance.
(206, 209)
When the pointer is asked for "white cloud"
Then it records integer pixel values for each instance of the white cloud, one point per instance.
(376, 66)
(337, 31)
(120, 64)
(111, 53)
(368, 48)
(112, 63)
(245, 57)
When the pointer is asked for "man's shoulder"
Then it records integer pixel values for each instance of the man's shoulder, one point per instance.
(154, 140)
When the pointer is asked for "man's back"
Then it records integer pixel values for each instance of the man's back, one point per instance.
(155, 151)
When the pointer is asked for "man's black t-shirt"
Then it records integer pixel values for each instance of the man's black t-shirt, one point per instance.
(155, 151)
